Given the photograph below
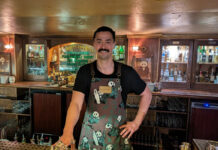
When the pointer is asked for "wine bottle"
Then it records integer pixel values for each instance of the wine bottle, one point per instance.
(210, 57)
(204, 55)
(212, 77)
(121, 53)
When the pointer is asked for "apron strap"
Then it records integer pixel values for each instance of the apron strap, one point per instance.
(119, 70)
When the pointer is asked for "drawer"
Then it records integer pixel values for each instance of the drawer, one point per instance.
(8, 91)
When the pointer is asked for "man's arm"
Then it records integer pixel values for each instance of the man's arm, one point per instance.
(143, 105)
(73, 114)
(132, 126)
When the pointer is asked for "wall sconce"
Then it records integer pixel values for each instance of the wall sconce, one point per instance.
(8, 43)
(8, 46)
(135, 48)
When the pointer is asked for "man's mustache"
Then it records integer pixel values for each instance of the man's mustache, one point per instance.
(106, 50)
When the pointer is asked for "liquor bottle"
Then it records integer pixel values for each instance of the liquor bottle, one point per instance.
(199, 54)
(116, 53)
(175, 74)
(166, 55)
(163, 57)
(23, 139)
(201, 77)
(216, 79)
(185, 58)
(121, 53)
(50, 141)
(180, 56)
(216, 56)
(54, 56)
(212, 76)
(179, 77)
(207, 78)
(171, 77)
(210, 57)
(166, 73)
(204, 57)
(162, 74)
(15, 137)
(29, 54)
(32, 140)
(41, 140)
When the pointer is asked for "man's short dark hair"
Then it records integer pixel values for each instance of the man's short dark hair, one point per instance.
(104, 29)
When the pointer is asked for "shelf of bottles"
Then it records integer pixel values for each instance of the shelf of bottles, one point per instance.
(35, 61)
(119, 53)
(174, 63)
(65, 60)
(207, 61)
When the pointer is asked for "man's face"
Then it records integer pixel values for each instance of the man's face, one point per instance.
(104, 44)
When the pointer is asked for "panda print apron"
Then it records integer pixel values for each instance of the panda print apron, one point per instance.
(104, 115)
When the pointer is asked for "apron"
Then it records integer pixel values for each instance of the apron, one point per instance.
(105, 113)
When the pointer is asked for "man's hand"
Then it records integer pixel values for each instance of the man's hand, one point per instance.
(128, 129)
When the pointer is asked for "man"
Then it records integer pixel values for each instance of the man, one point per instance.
(104, 85)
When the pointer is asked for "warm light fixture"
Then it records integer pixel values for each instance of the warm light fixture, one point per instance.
(8, 46)
(135, 48)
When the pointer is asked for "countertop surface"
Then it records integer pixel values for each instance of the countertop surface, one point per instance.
(37, 85)
(167, 92)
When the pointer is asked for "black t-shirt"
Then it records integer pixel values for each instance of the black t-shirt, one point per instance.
(130, 80)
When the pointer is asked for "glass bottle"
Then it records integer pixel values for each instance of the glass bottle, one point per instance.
(201, 77)
(210, 57)
(23, 139)
(207, 78)
(216, 56)
(41, 52)
(171, 77)
(204, 55)
(179, 77)
(116, 53)
(166, 73)
(199, 54)
(166, 55)
(162, 74)
(212, 77)
(186, 56)
(54, 56)
(121, 53)
(175, 74)
(163, 55)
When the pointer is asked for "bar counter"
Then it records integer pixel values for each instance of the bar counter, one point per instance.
(164, 92)
(37, 85)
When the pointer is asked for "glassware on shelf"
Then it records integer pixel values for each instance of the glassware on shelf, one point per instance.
(35, 62)
(206, 68)
(119, 53)
(174, 63)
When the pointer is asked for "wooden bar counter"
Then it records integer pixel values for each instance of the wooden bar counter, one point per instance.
(164, 92)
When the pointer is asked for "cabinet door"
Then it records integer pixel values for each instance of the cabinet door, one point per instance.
(175, 63)
(47, 113)
(205, 65)
(203, 121)
(78, 126)
(35, 62)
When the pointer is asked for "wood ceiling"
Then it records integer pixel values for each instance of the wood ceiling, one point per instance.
(127, 17)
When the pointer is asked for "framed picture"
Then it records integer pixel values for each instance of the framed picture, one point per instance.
(143, 67)
(5, 63)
